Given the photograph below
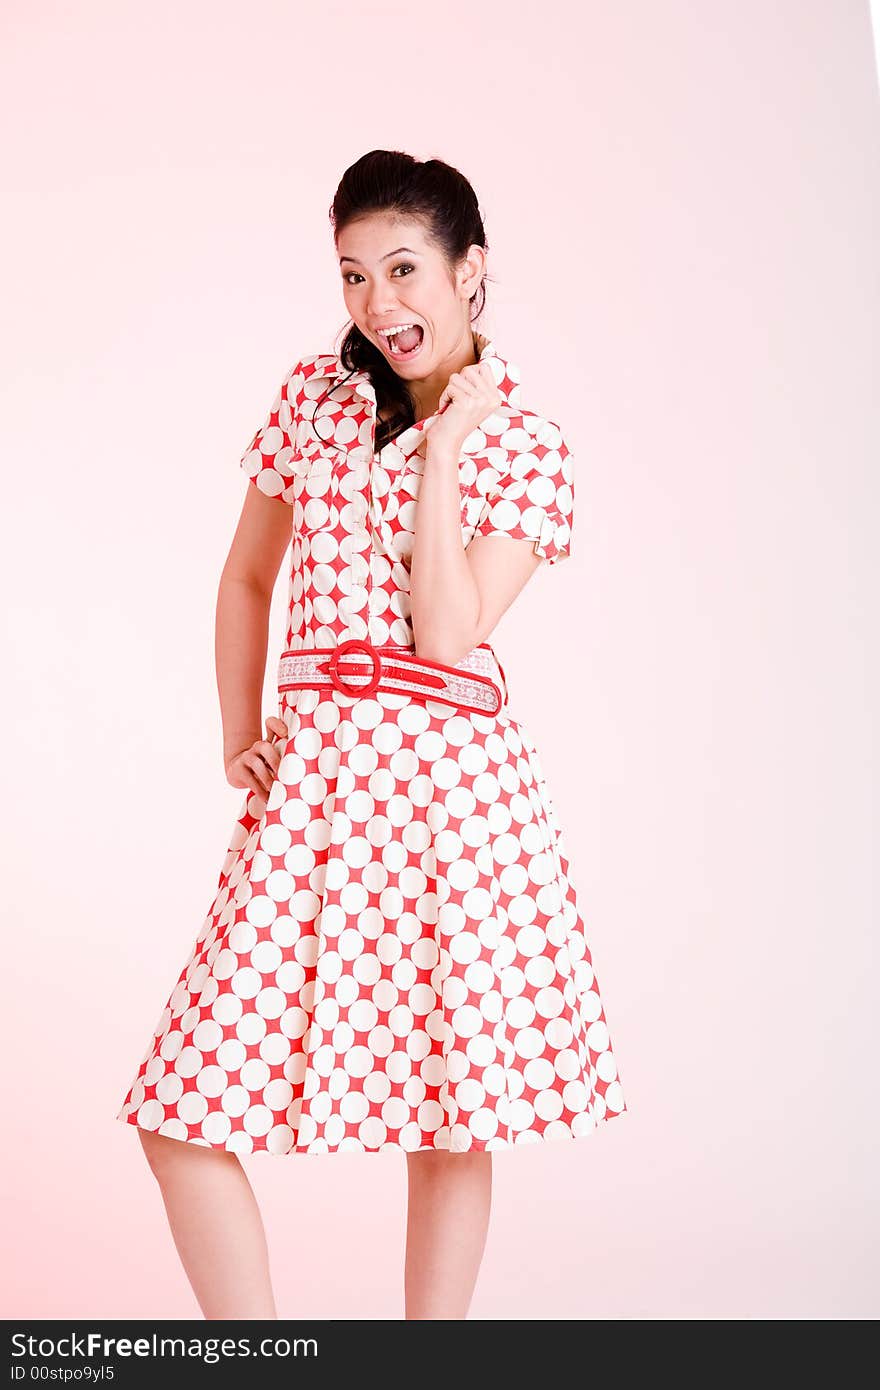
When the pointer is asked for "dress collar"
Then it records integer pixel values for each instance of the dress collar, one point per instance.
(406, 445)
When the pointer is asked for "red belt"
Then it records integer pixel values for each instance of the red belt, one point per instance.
(476, 683)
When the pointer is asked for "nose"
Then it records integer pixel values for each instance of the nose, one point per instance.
(381, 304)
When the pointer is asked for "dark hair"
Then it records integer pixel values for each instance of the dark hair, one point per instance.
(391, 181)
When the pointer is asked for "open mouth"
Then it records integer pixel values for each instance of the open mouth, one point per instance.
(403, 343)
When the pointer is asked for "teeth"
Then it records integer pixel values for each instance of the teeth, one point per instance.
(392, 332)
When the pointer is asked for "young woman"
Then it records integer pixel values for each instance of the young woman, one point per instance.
(394, 957)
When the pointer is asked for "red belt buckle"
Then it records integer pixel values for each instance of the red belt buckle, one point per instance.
(355, 644)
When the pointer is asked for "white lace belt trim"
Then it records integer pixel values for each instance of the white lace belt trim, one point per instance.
(482, 691)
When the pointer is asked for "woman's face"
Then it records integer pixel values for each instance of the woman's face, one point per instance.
(392, 275)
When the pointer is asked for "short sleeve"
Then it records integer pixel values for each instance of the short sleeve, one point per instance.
(269, 457)
(534, 498)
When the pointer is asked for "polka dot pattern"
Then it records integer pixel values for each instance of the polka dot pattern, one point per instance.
(394, 956)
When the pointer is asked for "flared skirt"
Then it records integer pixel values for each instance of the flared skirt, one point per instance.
(394, 956)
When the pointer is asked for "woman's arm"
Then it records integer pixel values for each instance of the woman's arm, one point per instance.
(244, 600)
(458, 594)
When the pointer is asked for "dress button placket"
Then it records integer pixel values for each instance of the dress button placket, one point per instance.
(373, 528)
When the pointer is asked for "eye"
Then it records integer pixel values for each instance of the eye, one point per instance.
(404, 265)
(347, 277)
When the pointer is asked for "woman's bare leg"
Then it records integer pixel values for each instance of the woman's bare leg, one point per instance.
(449, 1199)
(216, 1225)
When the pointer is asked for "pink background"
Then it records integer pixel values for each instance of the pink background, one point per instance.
(682, 208)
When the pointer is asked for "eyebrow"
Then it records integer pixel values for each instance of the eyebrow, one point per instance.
(381, 258)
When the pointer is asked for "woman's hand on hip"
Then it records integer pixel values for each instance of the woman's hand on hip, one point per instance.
(256, 766)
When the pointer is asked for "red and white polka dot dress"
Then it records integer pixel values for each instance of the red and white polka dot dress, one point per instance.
(394, 955)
